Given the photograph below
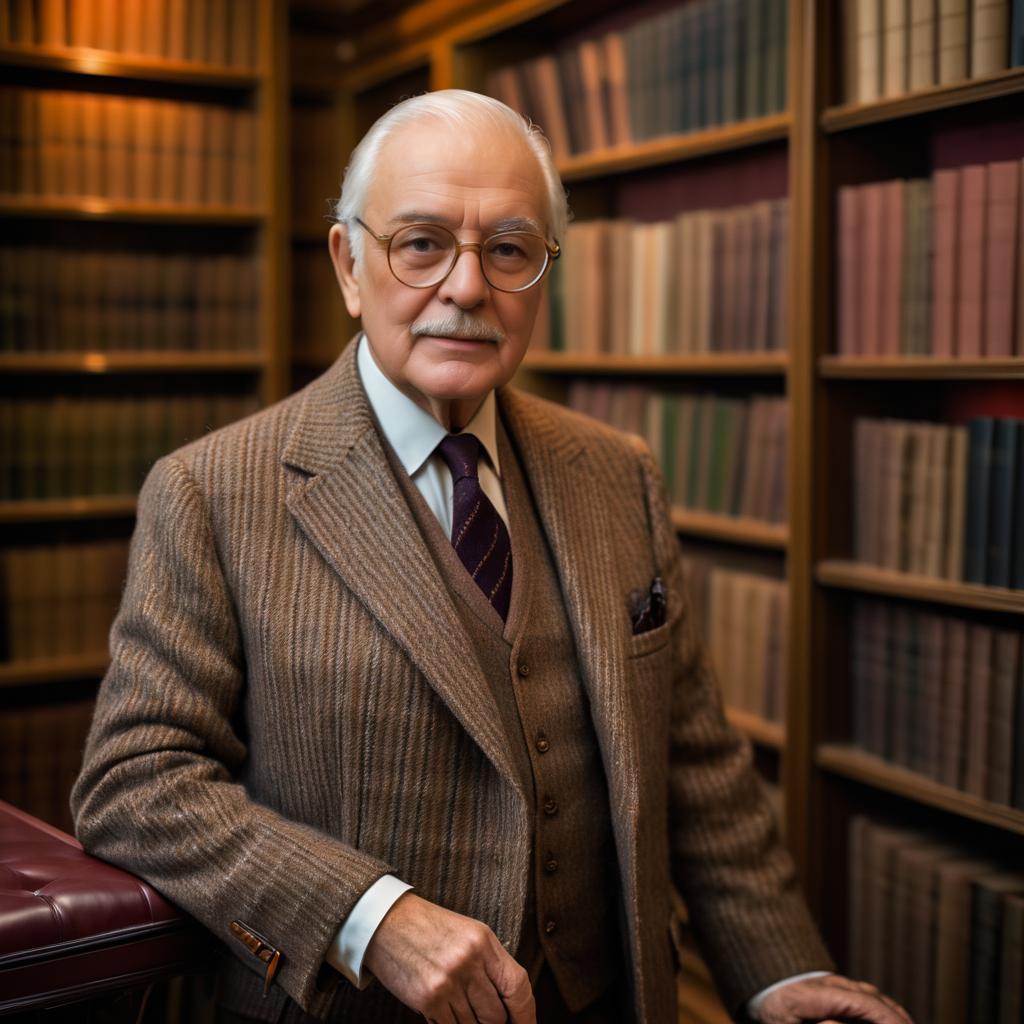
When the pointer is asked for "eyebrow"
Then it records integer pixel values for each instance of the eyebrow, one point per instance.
(508, 224)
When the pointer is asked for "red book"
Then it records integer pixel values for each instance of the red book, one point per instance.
(850, 271)
(971, 263)
(945, 198)
(893, 230)
(872, 211)
(1000, 256)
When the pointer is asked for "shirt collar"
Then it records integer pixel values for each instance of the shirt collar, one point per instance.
(410, 430)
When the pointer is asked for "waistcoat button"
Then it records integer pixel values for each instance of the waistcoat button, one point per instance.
(551, 865)
(550, 926)
(550, 806)
(523, 669)
(542, 743)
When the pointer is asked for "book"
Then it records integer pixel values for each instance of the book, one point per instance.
(981, 431)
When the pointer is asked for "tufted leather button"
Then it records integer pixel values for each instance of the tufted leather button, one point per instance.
(542, 743)
(550, 807)
(550, 926)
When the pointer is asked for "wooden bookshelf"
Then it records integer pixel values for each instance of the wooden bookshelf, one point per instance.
(68, 668)
(852, 763)
(926, 101)
(97, 209)
(870, 579)
(762, 732)
(65, 509)
(82, 61)
(732, 529)
(920, 368)
(130, 362)
(675, 148)
(753, 364)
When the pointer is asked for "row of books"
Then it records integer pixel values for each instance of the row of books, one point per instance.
(41, 756)
(933, 266)
(938, 500)
(745, 622)
(60, 599)
(937, 926)
(55, 298)
(707, 281)
(941, 696)
(205, 31)
(80, 144)
(717, 454)
(73, 446)
(697, 65)
(893, 47)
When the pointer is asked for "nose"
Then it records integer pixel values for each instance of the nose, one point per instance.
(465, 285)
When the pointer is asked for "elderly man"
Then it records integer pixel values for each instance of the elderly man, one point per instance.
(404, 688)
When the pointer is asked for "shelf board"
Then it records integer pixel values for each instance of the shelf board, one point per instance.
(734, 529)
(64, 668)
(920, 368)
(81, 60)
(114, 507)
(853, 763)
(96, 209)
(760, 730)
(130, 362)
(872, 579)
(940, 97)
(726, 364)
(674, 148)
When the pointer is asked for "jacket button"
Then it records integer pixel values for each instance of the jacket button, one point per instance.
(542, 743)
(523, 669)
(550, 926)
(551, 865)
(550, 807)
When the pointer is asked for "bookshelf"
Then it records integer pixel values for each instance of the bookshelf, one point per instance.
(142, 160)
(824, 139)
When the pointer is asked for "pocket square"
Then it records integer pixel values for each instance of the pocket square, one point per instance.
(647, 609)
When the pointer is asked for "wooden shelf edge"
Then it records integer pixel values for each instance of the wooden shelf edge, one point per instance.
(726, 364)
(758, 729)
(130, 362)
(737, 529)
(871, 579)
(66, 508)
(920, 368)
(674, 148)
(66, 668)
(91, 208)
(855, 764)
(940, 97)
(81, 60)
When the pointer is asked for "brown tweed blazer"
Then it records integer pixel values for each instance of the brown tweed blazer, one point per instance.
(294, 709)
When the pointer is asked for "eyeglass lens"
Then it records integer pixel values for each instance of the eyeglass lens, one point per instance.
(422, 254)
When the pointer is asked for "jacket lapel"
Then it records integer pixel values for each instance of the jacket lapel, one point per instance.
(351, 508)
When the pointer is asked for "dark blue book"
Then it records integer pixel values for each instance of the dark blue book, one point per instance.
(1005, 441)
(1017, 537)
(979, 473)
(1018, 743)
(1017, 34)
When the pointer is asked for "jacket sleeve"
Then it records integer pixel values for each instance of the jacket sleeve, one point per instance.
(736, 878)
(158, 791)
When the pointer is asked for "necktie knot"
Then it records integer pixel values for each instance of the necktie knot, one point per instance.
(462, 453)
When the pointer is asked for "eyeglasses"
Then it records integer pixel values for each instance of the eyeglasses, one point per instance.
(423, 255)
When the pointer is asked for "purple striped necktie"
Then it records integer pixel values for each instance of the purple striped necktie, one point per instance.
(479, 535)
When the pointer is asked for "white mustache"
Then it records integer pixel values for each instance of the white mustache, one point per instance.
(458, 325)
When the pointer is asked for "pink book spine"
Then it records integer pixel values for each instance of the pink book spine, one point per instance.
(1000, 253)
(893, 229)
(850, 261)
(871, 323)
(970, 321)
(944, 269)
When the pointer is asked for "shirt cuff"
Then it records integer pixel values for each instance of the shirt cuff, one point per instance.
(348, 947)
(754, 1006)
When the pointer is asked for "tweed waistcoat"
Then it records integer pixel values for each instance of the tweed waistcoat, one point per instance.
(530, 662)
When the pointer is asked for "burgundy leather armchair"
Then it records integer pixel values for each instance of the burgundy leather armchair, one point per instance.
(73, 927)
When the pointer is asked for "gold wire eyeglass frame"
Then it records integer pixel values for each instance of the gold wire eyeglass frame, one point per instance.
(551, 251)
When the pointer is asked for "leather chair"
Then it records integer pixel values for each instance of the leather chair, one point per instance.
(74, 928)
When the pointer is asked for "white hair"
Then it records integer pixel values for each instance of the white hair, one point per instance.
(457, 108)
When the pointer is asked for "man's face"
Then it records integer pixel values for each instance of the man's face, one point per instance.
(474, 184)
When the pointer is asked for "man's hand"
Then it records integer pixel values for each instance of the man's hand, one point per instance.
(447, 967)
(831, 1000)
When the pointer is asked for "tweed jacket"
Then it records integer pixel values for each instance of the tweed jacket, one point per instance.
(294, 709)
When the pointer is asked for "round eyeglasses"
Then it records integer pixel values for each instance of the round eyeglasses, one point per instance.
(423, 255)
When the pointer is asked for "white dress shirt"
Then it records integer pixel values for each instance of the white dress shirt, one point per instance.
(414, 435)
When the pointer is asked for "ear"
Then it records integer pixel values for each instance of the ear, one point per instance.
(344, 268)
